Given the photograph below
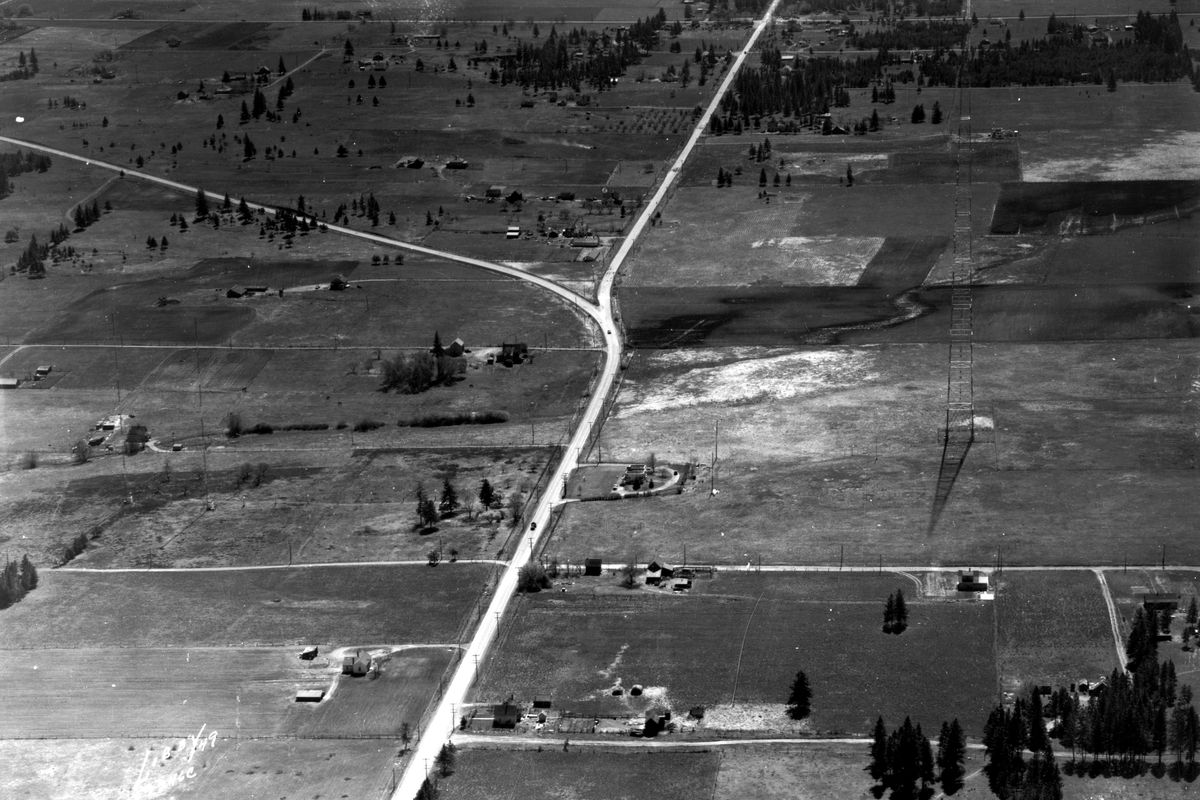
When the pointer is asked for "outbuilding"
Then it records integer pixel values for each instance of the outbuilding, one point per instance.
(9, 383)
(310, 695)
(506, 714)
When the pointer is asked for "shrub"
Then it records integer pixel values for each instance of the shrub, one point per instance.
(458, 418)
(532, 578)
(261, 427)
(341, 426)
(305, 426)
(233, 425)
(364, 425)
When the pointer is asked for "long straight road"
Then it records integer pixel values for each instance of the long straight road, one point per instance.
(444, 719)
(442, 722)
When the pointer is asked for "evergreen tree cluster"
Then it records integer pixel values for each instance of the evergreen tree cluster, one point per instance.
(551, 64)
(18, 163)
(910, 35)
(903, 762)
(27, 67)
(84, 215)
(895, 610)
(17, 580)
(1006, 736)
(1156, 53)
(32, 257)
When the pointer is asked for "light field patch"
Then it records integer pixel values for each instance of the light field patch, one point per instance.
(1167, 157)
(822, 260)
(759, 375)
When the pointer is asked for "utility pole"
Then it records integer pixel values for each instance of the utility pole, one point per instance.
(712, 488)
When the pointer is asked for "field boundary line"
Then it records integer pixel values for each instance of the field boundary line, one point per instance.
(737, 674)
(420, 562)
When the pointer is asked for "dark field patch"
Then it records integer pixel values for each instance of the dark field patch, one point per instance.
(485, 774)
(740, 316)
(270, 273)
(1053, 208)
(902, 263)
(225, 36)
(990, 162)
(96, 319)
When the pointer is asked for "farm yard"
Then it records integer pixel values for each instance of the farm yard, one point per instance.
(735, 646)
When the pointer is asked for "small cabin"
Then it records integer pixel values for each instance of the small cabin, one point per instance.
(972, 580)
(310, 695)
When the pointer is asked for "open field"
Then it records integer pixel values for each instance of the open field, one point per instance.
(108, 769)
(319, 605)
(828, 447)
(585, 774)
(1052, 628)
(312, 504)
(577, 646)
(115, 693)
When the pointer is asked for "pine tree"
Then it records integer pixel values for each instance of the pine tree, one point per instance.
(487, 495)
(800, 699)
(1193, 612)
(889, 614)
(201, 203)
(445, 760)
(448, 503)
(878, 768)
(1037, 729)
(29, 577)
(950, 758)
(901, 612)
(849, 176)
(927, 773)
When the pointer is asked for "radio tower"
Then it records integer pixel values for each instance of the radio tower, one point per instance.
(959, 432)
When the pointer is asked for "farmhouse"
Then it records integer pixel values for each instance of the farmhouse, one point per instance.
(506, 714)
(657, 573)
(308, 653)
(972, 580)
(456, 348)
(357, 664)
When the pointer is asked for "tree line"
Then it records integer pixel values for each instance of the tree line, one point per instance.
(903, 761)
(18, 579)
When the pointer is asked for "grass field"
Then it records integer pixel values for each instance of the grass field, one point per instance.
(585, 774)
(319, 605)
(1052, 628)
(735, 647)
(313, 504)
(840, 446)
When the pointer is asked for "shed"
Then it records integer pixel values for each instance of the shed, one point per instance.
(506, 714)
(42, 370)
(541, 702)
(9, 383)
(513, 353)
(972, 580)
(513, 232)
(586, 241)
(495, 191)
(310, 695)
(456, 163)
(1160, 601)
(235, 291)
(456, 348)
(592, 566)
(338, 283)
(308, 653)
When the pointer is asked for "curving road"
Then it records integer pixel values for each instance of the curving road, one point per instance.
(443, 721)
